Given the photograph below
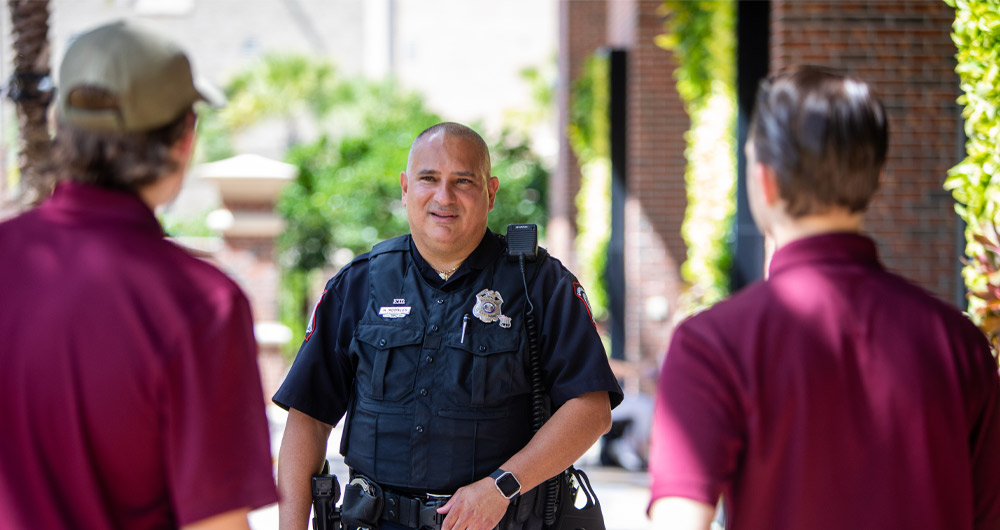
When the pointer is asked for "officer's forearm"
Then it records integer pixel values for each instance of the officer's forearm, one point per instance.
(562, 440)
(303, 449)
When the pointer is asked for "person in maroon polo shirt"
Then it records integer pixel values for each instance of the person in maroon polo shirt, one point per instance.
(129, 391)
(833, 395)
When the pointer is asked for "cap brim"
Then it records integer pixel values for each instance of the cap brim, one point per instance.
(209, 93)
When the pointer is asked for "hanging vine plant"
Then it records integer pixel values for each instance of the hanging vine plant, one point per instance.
(589, 138)
(975, 182)
(701, 34)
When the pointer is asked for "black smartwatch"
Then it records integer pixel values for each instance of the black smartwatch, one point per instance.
(506, 483)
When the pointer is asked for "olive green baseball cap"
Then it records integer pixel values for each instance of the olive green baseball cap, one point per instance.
(148, 74)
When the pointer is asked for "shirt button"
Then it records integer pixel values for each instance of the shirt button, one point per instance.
(423, 392)
(482, 348)
(391, 502)
(440, 300)
(429, 359)
(420, 428)
(434, 327)
(381, 342)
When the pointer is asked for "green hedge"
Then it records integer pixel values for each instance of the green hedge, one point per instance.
(975, 182)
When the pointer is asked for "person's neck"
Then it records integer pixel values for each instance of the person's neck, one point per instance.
(161, 191)
(813, 225)
(445, 264)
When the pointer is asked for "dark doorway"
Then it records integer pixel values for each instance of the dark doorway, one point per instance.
(752, 48)
(615, 268)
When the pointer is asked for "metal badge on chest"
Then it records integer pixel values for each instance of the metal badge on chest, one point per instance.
(487, 308)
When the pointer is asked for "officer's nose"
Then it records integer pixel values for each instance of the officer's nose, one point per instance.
(444, 194)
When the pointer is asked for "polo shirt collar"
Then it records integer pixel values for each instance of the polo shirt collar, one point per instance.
(843, 247)
(77, 202)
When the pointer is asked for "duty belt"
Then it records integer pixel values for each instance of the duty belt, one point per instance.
(413, 511)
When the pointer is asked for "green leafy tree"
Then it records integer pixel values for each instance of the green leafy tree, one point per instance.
(522, 197)
(975, 182)
(347, 193)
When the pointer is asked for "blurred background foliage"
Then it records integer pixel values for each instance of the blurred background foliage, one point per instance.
(346, 196)
(589, 137)
(975, 182)
(701, 34)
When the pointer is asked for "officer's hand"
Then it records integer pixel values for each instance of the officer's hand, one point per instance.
(478, 506)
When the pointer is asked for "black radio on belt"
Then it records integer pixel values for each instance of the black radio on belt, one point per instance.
(522, 240)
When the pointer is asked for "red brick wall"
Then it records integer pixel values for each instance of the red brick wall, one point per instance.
(904, 49)
(582, 30)
(656, 125)
(654, 211)
(251, 262)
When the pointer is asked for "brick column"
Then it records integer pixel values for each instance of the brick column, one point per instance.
(654, 210)
(581, 32)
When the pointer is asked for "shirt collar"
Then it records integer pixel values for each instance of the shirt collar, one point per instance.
(485, 254)
(77, 202)
(843, 247)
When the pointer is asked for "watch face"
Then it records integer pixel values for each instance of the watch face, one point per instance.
(508, 485)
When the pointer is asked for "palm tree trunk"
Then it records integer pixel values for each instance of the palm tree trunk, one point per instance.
(31, 90)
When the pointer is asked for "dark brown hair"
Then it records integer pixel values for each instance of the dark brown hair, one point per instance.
(824, 134)
(121, 161)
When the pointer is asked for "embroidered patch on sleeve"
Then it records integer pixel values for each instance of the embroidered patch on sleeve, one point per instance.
(582, 295)
(312, 318)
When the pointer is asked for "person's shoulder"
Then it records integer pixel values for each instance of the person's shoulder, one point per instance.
(356, 265)
(728, 319)
(12, 223)
(754, 298)
(395, 244)
(354, 271)
(551, 267)
(912, 299)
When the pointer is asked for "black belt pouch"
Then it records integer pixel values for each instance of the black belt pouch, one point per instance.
(362, 506)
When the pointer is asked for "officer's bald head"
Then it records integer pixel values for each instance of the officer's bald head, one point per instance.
(455, 130)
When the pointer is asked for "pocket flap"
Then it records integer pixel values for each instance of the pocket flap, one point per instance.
(488, 343)
(385, 337)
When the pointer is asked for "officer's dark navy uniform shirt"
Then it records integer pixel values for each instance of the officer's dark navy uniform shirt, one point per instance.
(322, 378)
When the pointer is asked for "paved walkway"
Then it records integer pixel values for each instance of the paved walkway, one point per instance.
(623, 494)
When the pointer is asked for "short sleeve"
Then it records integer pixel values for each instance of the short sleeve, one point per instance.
(573, 355)
(320, 379)
(698, 429)
(217, 447)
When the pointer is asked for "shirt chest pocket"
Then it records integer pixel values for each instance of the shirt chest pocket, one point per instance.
(388, 357)
(485, 368)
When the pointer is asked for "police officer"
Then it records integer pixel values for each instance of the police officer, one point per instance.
(422, 343)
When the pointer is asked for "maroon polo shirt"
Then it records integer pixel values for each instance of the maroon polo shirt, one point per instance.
(129, 390)
(835, 395)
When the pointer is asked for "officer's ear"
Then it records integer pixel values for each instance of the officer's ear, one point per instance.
(492, 185)
(402, 185)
